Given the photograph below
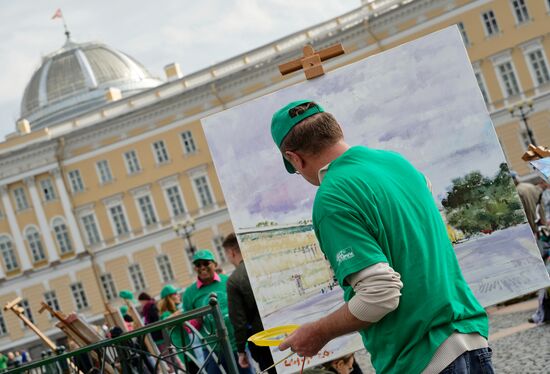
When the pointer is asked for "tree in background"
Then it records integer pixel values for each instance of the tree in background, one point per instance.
(476, 203)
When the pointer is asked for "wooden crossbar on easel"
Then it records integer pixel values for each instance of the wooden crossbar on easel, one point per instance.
(311, 61)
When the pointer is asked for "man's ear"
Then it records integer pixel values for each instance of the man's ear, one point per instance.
(295, 159)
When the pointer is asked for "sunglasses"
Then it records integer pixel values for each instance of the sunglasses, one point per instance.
(202, 263)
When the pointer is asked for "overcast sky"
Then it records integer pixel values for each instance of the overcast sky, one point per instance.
(196, 34)
(420, 99)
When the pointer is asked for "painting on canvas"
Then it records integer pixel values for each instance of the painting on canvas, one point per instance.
(420, 99)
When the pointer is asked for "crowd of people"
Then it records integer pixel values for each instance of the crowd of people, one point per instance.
(239, 310)
(13, 359)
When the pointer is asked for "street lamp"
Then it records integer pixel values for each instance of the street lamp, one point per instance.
(521, 111)
(185, 230)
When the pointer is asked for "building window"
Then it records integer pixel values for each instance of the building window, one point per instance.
(62, 236)
(109, 289)
(203, 190)
(47, 189)
(520, 11)
(104, 172)
(508, 78)
(176, 202)
(35, 244)
(132, 162)
(166, 273)
(463, 33)
(490, 23)
(161, 154)
(119, 220)
(76, 181)
(147, 210)
(188, 142)
(79, 296)
(51, 299)
(27, 310)
(10, 261)
(539, 66)
(482, 88)
(137, 277)
(218, 240)
(20, 198)
(90, 226)
(3, 328)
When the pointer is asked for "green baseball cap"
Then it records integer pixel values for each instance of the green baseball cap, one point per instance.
(168, 290)
(204, 254)
(282, 123)
(124, 310)
(126, 295)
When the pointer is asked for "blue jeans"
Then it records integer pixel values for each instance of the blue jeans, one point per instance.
(472, 362)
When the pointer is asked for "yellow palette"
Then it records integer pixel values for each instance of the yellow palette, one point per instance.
(272, 337)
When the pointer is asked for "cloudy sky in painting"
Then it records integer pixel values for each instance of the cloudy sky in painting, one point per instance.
(420, 99)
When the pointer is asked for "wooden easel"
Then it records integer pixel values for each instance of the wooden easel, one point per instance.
(311, 61)
(77, 330)
(113, 317)
(20, 313)
(534, 153)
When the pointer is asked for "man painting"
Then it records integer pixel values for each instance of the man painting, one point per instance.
(378, 225)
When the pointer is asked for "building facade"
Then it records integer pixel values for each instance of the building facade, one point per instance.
(115, 158)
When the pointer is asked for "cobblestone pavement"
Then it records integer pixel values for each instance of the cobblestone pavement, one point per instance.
(518, 347)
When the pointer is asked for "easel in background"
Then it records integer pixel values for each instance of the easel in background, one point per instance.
(535, 153)
(80, 332)
(20, 313)
(113, 317)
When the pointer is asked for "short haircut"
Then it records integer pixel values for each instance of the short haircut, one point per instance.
(144, 296)
(314, 133)
(231, 241)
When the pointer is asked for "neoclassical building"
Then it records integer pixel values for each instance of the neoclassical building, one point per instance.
(106, 159)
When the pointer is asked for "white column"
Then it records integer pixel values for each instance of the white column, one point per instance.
(42, 221)
(67, 210)
(15, 232)
(2, 274)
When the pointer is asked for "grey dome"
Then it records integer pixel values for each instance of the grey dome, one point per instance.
(73, 80)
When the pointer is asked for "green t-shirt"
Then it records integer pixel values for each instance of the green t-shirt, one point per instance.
(194, 297)
(3, 361)
(374, 206)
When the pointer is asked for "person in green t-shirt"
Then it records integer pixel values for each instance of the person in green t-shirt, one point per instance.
(198, 295)
(3, 362)
(378, 225)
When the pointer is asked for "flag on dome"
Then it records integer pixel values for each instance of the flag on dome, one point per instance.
(57, 14)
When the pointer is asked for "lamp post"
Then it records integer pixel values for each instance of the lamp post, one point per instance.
(522, 111)
(185, 230)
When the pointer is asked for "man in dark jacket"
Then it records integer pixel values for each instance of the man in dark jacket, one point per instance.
(243, 310)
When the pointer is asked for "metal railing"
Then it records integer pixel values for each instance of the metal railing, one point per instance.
(184, 350)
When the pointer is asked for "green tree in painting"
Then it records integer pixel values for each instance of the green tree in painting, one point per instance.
(476, 203)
